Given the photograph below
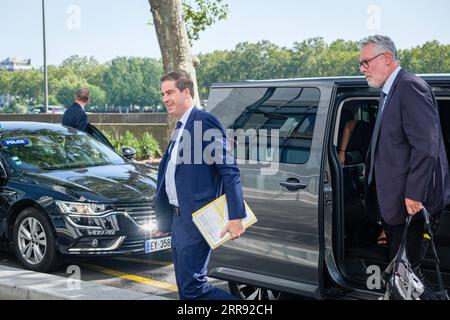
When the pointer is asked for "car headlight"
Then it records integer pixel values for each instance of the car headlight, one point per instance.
(88, 209)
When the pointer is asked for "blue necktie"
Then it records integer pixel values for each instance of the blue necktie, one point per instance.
(174, 137)
(376, 131)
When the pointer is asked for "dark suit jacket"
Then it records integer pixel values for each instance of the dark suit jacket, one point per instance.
(410, 159)
(75, 117)
(198, 184)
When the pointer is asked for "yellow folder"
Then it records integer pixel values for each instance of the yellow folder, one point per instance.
(212, 218)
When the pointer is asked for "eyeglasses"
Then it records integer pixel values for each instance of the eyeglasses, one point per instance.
(365, 63)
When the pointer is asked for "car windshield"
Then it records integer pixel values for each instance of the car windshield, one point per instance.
(55, 150)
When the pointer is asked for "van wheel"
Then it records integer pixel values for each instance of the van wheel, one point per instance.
(34, 242)
(247, 292)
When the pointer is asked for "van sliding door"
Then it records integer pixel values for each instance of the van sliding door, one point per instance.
(278, 134)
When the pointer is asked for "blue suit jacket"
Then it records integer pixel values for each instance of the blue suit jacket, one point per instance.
(410, 159)
(198, 184)
(75, 117)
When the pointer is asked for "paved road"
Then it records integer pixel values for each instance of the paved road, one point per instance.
(152, 274)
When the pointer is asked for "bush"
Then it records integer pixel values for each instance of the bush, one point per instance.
(146, 147)
(149, 147)
(16, 107)
(129, 140)
(113, 138)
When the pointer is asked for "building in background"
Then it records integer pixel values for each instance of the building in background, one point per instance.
(13, 64)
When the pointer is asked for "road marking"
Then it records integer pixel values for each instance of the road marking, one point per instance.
(153, 262)
(122, 275)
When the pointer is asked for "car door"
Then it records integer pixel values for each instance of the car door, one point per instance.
(278, 133)
(5, 195)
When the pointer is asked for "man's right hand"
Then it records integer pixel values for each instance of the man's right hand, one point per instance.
(413, 207)
(235, 228)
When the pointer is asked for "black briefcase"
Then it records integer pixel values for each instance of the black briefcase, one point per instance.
(400, 280)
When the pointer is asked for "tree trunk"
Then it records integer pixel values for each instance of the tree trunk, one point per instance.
(173, 42)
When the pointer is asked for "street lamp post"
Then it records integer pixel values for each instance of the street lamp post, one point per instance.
(45, 59)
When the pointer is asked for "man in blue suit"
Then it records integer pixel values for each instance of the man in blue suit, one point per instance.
(406, 167)
(188, 180)
(75, 116)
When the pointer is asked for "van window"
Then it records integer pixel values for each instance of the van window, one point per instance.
(264, 113)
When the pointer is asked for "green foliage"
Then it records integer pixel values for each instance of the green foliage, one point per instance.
(27, 84)
(86, 68)
(200, 14)
(113, 138)
(97, 95)
(130, 81)
(128, 140)
(432, 57)
(146, 147)
(16, 106)
(149, 147)
(52, 100)
(309, 58)
(66, 87)
(122, 82)
(136, 81)
(79, 63)
(5, 81)
(314, 58)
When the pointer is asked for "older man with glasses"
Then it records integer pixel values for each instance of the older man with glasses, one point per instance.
(406, 164)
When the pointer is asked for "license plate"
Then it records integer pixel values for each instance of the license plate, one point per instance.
(154, 245)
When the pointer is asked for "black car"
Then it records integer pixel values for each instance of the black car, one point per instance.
(312, 237)
(62, 192)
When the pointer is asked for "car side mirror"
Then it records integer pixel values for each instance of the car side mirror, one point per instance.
(128, 153)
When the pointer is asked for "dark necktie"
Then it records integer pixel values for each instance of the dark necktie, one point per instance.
(174, 137)
(376, 131)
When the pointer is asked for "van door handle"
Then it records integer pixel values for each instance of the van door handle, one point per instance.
(293, 184)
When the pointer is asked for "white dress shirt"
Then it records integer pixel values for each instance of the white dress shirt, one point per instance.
(171, 188)
(388, 84)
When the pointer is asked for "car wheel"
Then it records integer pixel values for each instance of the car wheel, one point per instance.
(34, 241)
(247, 292)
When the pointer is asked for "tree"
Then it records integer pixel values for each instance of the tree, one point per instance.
(79, 63)
(86, 67)
(27, 84)
(17, 106)
(97, 96)
(130, 81)
(67, 87)
(173, 38)
(5, 82)
(202, 15)
(261, 60)
(214, 68)
(431, 57)
(173, 43)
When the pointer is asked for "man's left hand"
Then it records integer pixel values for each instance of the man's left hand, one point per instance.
(234, 227)
(413, 206)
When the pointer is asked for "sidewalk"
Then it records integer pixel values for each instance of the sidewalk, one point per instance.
(19, 284)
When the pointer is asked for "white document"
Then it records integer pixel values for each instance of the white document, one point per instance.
(212, 218)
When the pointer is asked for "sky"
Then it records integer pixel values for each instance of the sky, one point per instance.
(106, 29)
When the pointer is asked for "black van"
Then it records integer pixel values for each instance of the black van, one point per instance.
(312, 237)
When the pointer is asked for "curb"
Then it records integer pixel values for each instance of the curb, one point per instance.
(20, 284)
